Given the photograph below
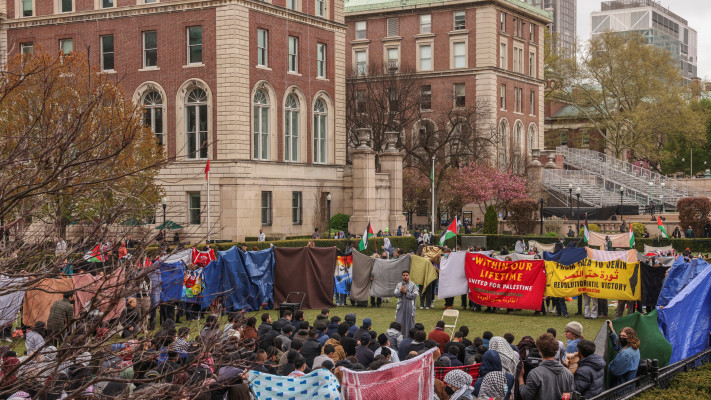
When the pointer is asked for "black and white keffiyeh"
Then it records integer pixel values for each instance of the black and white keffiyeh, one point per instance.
(460, 380)
(493, 385)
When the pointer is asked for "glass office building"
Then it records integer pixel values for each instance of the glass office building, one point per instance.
(660, 26)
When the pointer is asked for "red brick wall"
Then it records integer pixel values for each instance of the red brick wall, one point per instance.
(280, 79)
(408, 27)
(172, 49)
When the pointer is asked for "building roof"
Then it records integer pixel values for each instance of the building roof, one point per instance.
(358, 6)
(571, 112)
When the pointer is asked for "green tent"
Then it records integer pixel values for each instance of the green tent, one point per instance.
(133, 221)
(168, 225)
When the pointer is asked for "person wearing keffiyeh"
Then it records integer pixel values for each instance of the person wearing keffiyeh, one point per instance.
(509, 358)
(458, 385)
(494, 385)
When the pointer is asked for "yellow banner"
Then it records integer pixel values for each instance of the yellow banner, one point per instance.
(615, 280)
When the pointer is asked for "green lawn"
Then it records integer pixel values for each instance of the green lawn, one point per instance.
(520, 323)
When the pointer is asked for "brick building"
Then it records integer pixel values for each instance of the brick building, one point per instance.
(567, 126)
(256, 87)
(462, 52)
(489, 50)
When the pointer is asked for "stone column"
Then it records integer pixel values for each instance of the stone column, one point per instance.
(364, 195)
(535, 172)
(391, 164)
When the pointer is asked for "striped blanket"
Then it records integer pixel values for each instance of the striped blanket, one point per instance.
(472, 370)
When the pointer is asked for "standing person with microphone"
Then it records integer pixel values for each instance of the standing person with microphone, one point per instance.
(406, 293)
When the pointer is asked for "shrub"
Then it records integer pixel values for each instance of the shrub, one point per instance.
(638, 230)
(406, 243)
(552, 225)
(522, 215)
(339, 222)
(694, 212)
(491, 221)
(591, 228)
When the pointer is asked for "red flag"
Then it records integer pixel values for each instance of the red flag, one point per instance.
(207, 169)
(508, 284)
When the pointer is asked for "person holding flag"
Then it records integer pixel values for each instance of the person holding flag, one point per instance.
(661, 227)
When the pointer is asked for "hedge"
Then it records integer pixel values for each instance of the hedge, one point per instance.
(406, 243)
(496, 242)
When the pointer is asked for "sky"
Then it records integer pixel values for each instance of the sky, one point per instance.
(697, 12)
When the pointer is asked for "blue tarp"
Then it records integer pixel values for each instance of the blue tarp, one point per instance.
(247, 278)
(686, 320)
(678, 277)
(567, 256)
(171, 276)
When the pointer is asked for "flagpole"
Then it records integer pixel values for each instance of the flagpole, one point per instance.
(433, 196)
(208, 205)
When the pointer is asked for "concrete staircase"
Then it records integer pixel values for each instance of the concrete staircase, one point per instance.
(600, 178)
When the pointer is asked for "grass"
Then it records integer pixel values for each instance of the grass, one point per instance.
(692, 385)
(520, 323)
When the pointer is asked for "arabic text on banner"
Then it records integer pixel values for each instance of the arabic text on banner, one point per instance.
(508, 284)
(617, 279)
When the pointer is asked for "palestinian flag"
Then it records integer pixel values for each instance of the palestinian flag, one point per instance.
(449, 233)
(632, 236)
(95, 255)
(366, 235)
(661, 227)
(586, 232)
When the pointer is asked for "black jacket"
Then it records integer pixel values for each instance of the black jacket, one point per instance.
(310, 350)
(590, 376)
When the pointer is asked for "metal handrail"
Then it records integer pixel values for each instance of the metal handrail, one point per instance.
(628, 175)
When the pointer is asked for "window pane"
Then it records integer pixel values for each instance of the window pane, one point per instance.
(67, 5)
(191, 129)
(67, 46)
(107, 3)
(26, 8)
(195, 44)
(158, 120)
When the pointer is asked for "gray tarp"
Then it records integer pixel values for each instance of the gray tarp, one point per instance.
(386, 275)
(362, 268)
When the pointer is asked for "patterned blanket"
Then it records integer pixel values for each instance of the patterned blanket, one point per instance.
(472, 370)
(411, 379)
(319, 384)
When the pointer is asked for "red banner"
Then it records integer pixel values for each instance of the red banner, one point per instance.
(506, 284)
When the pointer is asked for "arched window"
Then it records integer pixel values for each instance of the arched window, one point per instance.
(320, 129)
(261, 126)
(503, 143)
(196, 120)
(291, 128)
(153, 114)
(532, 138)
(518, 137)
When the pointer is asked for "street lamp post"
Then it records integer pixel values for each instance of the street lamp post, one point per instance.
(164, 203)
(570, 197)
(651, 198)
(577, 194)
(328, 203)
(541, 201)
(664, 208)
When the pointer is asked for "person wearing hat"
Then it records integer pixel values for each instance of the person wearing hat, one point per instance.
(574, 333)
(364, 355)
(364, 328)
(458, 385)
